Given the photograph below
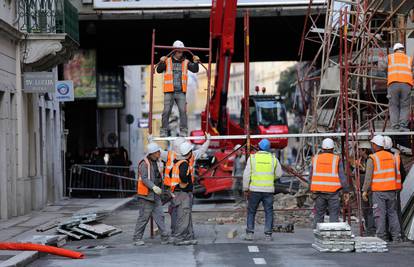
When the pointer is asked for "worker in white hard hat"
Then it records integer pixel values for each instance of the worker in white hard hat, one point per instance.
(149, 192)
(364, 149)
(399, 83)
(327, 179)
(239, 164)
(401, 174)
(381, 179)
(182, 180)
(175, 69)
(169, 157)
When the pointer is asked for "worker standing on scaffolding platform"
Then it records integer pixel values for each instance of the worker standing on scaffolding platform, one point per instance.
(327, 178)
(175, 69)
(381, 179)
(399, 82)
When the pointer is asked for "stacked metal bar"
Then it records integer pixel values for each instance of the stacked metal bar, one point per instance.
(370, 244)
(333, 237)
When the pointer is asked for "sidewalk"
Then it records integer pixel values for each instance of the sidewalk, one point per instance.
(23, 227)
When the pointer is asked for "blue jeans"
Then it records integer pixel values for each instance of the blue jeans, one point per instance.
(253, 203)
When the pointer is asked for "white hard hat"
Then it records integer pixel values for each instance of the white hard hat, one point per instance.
(364, 144)
(177, 143)
(178, 44)
(328, 143)
(378, 140)
(387, 142)
(398, 46)
(152, 148)
(185, 148)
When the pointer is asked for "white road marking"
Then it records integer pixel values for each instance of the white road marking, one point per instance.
(259, 261)
(253, 248)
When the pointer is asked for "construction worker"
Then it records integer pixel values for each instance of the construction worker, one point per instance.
(327, 178)
(401, 174)
(259, 177)
(239, 164)
(182, 180)
(175, 69)
(169, 157)
(364, 152)
(148, 192)
(399, 82)
(381, 179)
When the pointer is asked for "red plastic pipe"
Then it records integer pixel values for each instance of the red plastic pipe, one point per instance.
(42, 248)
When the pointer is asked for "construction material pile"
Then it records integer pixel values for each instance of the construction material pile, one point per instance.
(370, 244)
(333, 237)
(87, 225)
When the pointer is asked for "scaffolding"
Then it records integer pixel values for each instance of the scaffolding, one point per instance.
(343, 95)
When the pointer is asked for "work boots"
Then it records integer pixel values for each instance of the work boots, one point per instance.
(248, 237)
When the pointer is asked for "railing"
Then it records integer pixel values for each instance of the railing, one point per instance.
(49, 16)
(101, 180)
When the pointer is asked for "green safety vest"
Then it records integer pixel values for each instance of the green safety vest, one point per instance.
(262, 166)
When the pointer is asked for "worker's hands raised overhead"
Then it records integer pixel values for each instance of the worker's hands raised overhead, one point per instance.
(207, 135)
(156, 190)
(163, 58)
(346, 198)
(365, 196)
(196, 59)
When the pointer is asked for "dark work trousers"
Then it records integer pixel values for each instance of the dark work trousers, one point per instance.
(253, 203)
(324, 202)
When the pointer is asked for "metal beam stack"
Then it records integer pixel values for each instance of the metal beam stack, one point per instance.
(333, 237)
(370, 244)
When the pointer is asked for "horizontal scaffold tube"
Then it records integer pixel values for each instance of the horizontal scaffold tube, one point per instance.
(274, 136)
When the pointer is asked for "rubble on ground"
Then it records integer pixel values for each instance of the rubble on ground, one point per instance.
(87, 225)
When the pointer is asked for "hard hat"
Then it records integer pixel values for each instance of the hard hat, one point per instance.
(328, 143)
(378, 140)
(264, 145)
(364, 144)
(178, 44)
(398, 46)
(152, 148)
(185, 148)
(237, 147)
(177, 143)
(387, 142)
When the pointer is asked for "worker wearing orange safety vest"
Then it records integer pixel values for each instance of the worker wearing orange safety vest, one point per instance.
(175, 69)
(182, 180)
(399, 82)
(381, 179)
(401, 174)
(148, 193)
(169, 156)
(327, 178)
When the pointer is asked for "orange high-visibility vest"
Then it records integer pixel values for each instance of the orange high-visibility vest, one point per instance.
(398, 168)
(168, 167)
(175, 175)
(169, 76)
(142, 189)
(325, 177)
(384, 176)
(400, 68)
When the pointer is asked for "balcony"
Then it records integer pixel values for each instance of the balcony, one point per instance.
(52, 32)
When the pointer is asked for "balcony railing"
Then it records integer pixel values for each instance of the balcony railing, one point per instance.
(49, 16)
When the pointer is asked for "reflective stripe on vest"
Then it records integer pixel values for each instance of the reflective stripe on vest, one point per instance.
(169, 76)
(142, 189)
(262, 168)
(398, 168)
(325, 177)
(383, 178)
(175, 176)
(168, 167)
(400, 69)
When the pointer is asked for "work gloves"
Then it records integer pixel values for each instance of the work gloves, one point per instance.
(163, 58)
(157, 190)
(365, 196)
(196, 59)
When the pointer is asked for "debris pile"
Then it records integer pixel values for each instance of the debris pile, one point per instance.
(370, 244)
(333, 237)
(87, 225)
